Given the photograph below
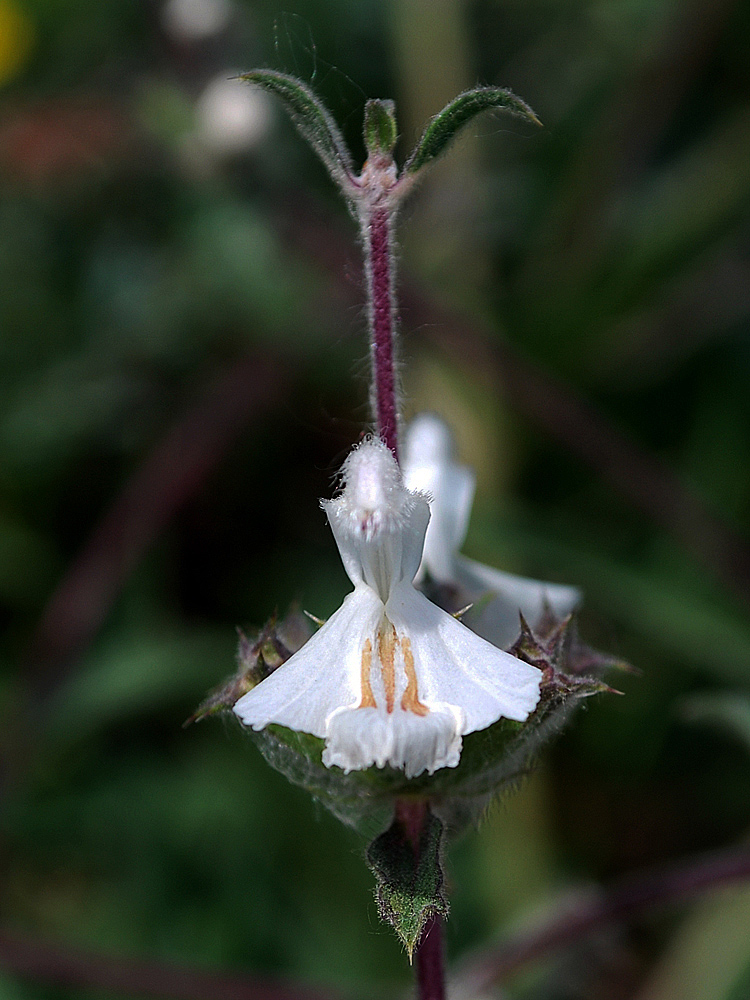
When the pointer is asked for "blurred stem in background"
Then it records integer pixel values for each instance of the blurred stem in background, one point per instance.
(576, 917)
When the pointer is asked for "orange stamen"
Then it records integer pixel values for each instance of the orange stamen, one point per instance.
(410, 701)
(368, 698)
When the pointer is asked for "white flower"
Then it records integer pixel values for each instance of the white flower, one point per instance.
(389, 679)
(429, 466)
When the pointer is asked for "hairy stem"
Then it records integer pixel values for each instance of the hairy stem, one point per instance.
(377, 228)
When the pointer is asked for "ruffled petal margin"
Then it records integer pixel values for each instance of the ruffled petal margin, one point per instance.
(361, 737)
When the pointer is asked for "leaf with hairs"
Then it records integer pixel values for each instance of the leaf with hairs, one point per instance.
(409, 879)
(312, 118)
(447, 123)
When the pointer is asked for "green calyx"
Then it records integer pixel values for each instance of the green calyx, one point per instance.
(492, 760)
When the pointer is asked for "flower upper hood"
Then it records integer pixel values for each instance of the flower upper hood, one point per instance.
(379, 526)
(390, 678)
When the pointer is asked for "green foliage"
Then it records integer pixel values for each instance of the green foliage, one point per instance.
(447, 123)
(137, 674)
(728, 712)
(311, 117)
(741, 986)
(409, 877)
(12, 991)
(137, 266)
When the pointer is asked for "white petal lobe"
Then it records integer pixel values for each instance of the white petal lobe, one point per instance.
(364, 737)
(498, 621)
(320, 678)
(458, 668)
(430, 466)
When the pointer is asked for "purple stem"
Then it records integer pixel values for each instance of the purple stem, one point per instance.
(381, 315)
(430, 962)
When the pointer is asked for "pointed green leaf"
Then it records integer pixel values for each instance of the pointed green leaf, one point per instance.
(380, 131)
(446, 124)
(409, 882)
(311, 117)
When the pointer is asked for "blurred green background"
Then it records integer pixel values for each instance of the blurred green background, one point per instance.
(183, 367)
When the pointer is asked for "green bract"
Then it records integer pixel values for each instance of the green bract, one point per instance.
(318, 127)
(409, 878)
